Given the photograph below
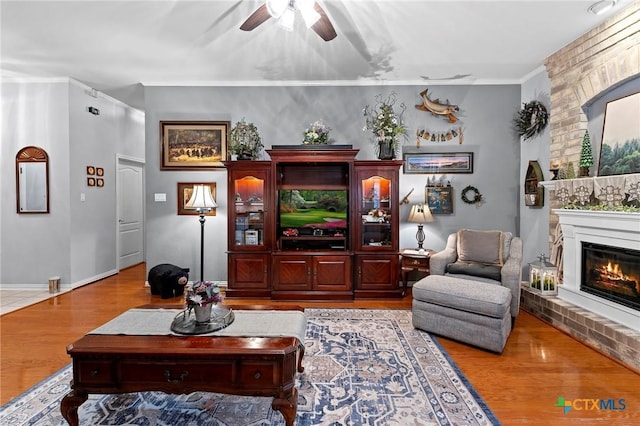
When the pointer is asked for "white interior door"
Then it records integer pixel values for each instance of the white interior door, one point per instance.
(130, 213)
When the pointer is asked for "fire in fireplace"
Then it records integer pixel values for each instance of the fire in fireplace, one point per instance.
(612, 273)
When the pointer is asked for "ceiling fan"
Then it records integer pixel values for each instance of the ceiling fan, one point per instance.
(312, 13)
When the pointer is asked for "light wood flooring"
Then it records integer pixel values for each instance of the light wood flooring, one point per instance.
(521, 386)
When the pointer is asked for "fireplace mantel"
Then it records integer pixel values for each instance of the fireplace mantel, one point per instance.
(615, 229)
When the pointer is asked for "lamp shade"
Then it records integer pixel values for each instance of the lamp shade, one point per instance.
(201, 198)
(420, 213)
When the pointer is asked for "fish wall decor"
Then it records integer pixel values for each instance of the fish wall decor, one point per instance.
(437, 108)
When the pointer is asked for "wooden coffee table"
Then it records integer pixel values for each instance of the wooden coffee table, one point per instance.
(254, 366)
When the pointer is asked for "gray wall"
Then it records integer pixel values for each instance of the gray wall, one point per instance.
(76, 240)
(281, 115)
(534, 221)
(35, 246)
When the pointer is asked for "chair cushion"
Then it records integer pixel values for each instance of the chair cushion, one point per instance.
(476, 297)
(475, 269)
(485, 247)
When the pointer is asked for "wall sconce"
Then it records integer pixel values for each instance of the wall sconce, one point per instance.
(202, 201)
(420, 214)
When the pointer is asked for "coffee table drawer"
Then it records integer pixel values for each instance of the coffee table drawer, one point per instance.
(176, 372)
(257, 374)
(94, 372)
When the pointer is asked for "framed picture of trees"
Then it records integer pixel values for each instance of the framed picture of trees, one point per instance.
(620, 151)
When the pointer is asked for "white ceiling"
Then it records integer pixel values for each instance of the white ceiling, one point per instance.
(115, 45)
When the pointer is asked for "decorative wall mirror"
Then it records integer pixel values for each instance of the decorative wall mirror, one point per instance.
(32, 180)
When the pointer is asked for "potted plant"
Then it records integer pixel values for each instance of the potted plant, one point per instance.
(245, 141)
(386, 125)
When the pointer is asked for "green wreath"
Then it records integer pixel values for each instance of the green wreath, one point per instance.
(477, 197)
(531, 119)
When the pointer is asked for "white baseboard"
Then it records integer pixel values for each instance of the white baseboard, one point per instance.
(63, 287)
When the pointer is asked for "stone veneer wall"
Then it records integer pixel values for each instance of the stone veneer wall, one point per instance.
(614, 340)
(582, 71)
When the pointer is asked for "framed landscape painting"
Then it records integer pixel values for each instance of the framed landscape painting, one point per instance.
(444, 162)
(193, 145)
(620, 150)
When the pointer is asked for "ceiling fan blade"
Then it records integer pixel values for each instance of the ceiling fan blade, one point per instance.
(258, 17)
(323, 27)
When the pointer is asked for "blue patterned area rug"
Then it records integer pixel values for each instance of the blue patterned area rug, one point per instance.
(362, 367)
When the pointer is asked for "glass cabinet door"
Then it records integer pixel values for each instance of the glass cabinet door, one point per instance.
(375, 209)
(248, 203)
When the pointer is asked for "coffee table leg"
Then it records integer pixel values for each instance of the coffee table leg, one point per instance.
(287, 404)
(69, 406)
(300, 356)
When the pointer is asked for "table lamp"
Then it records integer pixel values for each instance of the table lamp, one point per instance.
(202, 201)
(420, 214)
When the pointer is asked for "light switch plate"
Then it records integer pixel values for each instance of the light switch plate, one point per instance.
(159, 198)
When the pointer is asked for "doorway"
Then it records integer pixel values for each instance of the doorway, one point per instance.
(130, 212)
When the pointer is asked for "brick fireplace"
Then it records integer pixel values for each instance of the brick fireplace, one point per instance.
(581, 72)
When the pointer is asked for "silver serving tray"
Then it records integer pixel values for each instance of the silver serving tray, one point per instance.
(185, 321)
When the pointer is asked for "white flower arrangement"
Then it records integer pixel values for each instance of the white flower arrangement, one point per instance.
(382, 120)
(317, 134)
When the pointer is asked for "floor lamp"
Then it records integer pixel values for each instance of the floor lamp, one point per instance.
(420, 214)
(202, 201)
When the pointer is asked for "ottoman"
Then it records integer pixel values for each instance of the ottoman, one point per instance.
(473, 312)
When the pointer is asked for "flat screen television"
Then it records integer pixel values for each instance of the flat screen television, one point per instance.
(305, 210)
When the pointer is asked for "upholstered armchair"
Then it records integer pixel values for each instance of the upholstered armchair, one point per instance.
(488, 256)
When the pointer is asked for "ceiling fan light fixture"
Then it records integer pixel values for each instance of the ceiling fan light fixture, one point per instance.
(287, 18)
(309, 15)
(602, 6)
(277, 7)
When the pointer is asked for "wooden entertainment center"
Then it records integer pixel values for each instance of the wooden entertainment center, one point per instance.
(277, 250)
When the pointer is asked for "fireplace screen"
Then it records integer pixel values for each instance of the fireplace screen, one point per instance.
(612, 273)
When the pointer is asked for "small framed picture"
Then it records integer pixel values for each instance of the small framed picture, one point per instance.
(255, 217)
(99, 171)
(185, 190)
(91, 170)
(439, 199)
(91, 181)
(100, 182)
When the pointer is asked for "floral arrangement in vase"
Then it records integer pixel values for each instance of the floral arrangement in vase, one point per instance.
(245, 140)
(202, 293)
(317, 134)
(386, 124)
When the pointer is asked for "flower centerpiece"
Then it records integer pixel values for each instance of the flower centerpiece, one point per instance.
(245, 140)
(201, 296)
(317, 134)
(385, 124)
